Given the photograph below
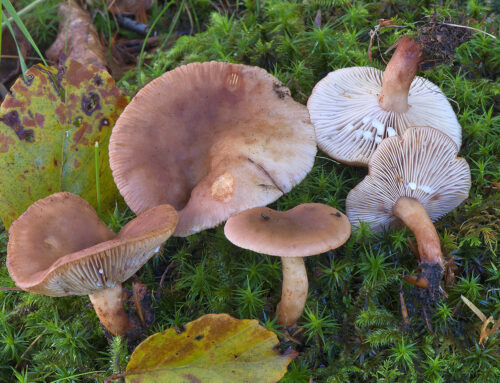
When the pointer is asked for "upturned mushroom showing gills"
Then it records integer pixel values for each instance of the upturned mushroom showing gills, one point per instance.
(305, 230)
(59, 246)
(353, 109)
(211, 139)
(414, 179)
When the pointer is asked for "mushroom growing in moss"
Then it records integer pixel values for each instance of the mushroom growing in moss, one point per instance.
(211, 139)
(353, 109)
(305, 230)
(59, 246)
(414, 179)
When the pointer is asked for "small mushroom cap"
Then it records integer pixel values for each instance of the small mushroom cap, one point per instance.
(350, 124)
(305, 230)
(59, 246)
(211, 139)
(421, 164)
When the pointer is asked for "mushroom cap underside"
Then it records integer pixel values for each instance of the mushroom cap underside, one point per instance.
(421, 164)
(60, 247)
(305, 230)
(350, 123)
(211, 139)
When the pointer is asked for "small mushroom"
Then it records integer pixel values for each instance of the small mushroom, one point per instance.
(211, 139)
(353, 109)
(59, 246)
(414, 179)
(305, 230)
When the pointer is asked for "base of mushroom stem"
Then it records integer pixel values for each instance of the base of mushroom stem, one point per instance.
(433, 273)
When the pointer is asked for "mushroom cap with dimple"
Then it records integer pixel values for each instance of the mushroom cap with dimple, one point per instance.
(59, 246)
(211, 139)
(421, 164)
(305, 230)
(350, 123)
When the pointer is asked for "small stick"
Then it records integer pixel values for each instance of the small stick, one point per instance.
(427, 322)
(404, 311)
(170, 265)
(137, 304)
(467, 27)
(29, 348)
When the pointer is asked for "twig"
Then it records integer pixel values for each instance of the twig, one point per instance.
(29, 348)
(467, 27)
(170, 265)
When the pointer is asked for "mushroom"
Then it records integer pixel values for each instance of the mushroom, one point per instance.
(414, 179)
(305, 230)
(59, 246)
(211, 139)
(353, 109)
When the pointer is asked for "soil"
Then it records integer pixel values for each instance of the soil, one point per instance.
(439, 40)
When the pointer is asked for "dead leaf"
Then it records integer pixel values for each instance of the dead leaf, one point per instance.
(48, 127)
(77, 37)
(214, 348)
(136, 7)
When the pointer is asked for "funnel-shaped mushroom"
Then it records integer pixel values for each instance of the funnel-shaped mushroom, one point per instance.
(211, 139)
(305, 230)
(353, 109)
(59, 246)
(415, 179)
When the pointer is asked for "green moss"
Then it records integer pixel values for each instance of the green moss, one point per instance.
(353, 329)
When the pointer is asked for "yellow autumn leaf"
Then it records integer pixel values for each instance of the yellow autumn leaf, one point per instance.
(215, 348)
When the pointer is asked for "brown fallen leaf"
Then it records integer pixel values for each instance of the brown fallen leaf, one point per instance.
(77, 37)
(136, 7)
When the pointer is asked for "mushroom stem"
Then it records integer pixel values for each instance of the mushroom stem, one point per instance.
(293, 292)
(399, 74)
(414, 216)
(108, 305)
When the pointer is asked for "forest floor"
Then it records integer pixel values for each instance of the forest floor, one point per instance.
(352, 329)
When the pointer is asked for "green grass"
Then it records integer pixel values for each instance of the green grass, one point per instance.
(352, 330)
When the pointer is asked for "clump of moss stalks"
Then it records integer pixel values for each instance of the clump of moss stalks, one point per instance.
(353, 329)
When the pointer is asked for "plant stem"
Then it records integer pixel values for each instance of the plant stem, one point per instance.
(97, 180)
(294, 291)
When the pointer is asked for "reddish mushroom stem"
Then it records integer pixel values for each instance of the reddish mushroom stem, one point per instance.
(415, 217)
(108, 305)
(399, 74)
(293, 292)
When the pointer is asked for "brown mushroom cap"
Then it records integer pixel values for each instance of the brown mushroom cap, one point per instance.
(59, 246)
(421, 164)
(211, 139)
(305, 230)
(350, 123)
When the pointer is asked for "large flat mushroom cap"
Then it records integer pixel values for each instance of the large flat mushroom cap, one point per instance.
(305, 230)
(211, 139)
(59, 246)
(421, 164)
(350, 123)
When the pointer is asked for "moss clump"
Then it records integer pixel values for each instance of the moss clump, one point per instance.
(352, 329)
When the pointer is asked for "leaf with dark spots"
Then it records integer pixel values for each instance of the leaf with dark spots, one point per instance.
(214, 348)
(47, 133)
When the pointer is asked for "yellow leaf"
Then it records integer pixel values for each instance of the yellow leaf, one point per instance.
(215, 348)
